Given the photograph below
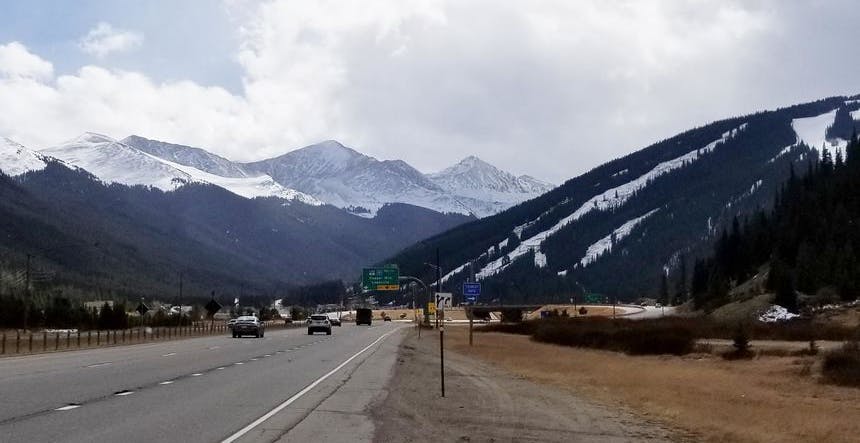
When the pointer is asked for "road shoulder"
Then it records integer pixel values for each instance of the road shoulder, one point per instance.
(339, 409)
(486, 403)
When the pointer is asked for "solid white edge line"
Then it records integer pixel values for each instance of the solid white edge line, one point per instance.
(301, 393)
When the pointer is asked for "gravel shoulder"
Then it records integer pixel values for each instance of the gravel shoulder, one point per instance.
(485, 403)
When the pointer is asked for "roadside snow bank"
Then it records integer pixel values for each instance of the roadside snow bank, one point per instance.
(776, 313)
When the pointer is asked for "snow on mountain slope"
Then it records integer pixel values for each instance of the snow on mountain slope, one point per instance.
(479, 180)
(15, 159)
(812, 131)
(112, 161)
(605, 244)
(348, 179)
(116, 162)
(606, 200)
(248, 187)
(189, 156)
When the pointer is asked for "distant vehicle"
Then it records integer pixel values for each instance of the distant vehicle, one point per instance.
(319, 323)
(334, 321)
(363, 316)
(386, 318)
(248, 325)
(658, 305)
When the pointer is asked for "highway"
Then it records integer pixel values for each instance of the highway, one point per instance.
(197, 390)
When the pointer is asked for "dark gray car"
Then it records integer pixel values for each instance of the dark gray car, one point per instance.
(248, 325)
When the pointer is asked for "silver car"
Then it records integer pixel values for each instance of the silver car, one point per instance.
(319, 323)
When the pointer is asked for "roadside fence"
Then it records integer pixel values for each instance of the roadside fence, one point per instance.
(17, 342)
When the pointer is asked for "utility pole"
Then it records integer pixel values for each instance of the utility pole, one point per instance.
(180, 298)
(441, 329)
(27, 292)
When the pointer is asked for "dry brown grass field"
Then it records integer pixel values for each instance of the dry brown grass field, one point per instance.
(767, 399)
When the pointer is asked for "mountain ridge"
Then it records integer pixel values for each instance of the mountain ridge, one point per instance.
(648, 211)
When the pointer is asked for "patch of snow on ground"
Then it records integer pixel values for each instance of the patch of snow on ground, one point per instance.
(813, 130)
(562, 273)
(540, 259)
(605, 244)
(775, 314)
(784, 151)
(460, 268)
(609, 199)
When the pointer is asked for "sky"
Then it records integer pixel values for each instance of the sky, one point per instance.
(549, 88)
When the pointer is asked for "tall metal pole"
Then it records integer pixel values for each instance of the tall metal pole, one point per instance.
(180, 299)
(27, 292)
(442, 329)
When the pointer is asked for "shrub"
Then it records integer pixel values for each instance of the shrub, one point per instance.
(842, 366)
(666, 340)
(741, 343)
(522, 328)
(632, 337)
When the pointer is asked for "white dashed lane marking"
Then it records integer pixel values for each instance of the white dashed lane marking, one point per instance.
(123, 394)
(68, 408)
(166, 382)
(98, 365)
(168, 355)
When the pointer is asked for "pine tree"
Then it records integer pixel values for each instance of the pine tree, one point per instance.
(664, 289)
(681, 294)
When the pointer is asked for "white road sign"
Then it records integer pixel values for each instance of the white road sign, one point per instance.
(443, 300)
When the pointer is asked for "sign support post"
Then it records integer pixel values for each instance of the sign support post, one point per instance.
(443, 300)
(471, 318)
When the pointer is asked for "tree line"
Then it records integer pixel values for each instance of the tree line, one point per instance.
(809, 239)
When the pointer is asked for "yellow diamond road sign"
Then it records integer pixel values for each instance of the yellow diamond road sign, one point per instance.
(431, 308)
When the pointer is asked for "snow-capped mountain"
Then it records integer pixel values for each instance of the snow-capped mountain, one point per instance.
(476, 179)
(116, 162)
(343, 177)
(15, 159)
(362, 184)
(623, 225)
(188, 156)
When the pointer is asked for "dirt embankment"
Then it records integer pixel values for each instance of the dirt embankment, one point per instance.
(487, 403)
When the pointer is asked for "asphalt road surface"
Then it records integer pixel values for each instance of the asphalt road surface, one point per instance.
(197, 390)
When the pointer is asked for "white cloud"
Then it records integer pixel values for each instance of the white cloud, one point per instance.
(17, 63)
(103, 39)
(546, 88)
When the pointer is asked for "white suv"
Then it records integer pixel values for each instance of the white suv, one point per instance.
(319, 323)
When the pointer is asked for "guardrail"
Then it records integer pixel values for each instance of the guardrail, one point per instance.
(37, 342)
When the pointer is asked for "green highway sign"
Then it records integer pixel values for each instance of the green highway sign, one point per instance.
(595, 298)
(381, 279)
